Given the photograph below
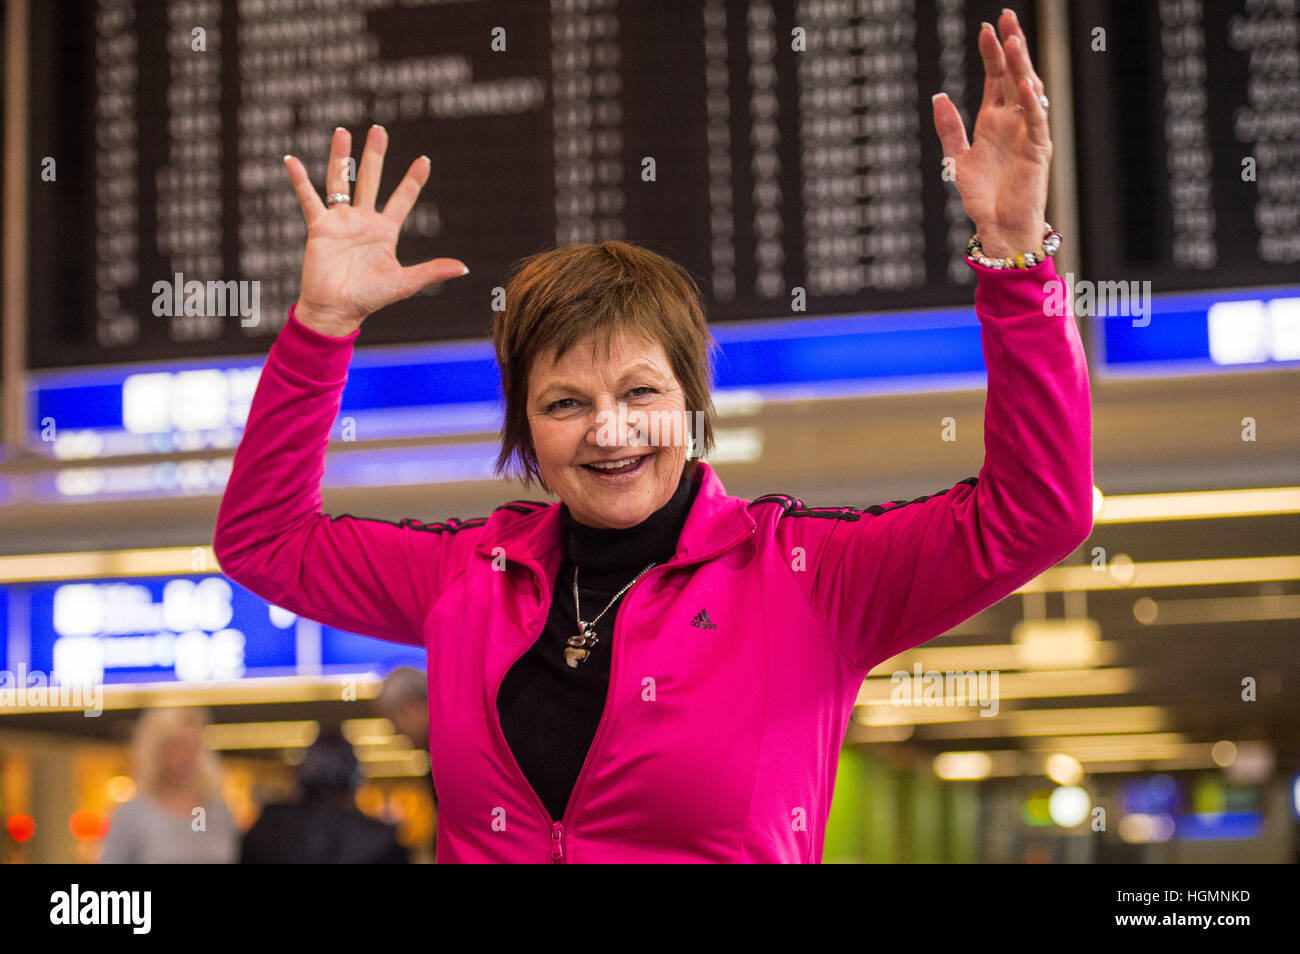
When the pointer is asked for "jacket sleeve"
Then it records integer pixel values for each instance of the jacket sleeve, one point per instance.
(889, 577)
(360, 575)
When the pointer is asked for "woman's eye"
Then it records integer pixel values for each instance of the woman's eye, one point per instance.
(555, 405)
(643, 388)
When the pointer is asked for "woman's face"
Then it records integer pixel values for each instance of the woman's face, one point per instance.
(181, 753)
(575, 417)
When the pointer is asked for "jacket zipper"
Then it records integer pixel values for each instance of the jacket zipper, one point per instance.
(604, 713)
(557, 827)
(557, 842)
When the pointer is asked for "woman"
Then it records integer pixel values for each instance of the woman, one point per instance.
(177, 816)
(697, 710)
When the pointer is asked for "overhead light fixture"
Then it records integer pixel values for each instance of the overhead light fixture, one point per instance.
(1063, 769)
(1197, 505)
(1000, 656)
(152, 561)
(1010, 722)
(262, 690)
(962, 766)
(1125, 574)
(1056, 643)
(225, 736)
(1217, 609)
(956, 692)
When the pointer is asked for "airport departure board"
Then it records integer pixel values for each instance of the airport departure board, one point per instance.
(768, 146)
(1188, 127)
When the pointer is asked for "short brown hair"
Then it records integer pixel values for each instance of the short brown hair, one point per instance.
(557, 297)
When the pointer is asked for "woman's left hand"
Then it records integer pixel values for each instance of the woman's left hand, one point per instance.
(1002, 178)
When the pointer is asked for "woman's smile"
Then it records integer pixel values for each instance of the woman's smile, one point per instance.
(618, 470)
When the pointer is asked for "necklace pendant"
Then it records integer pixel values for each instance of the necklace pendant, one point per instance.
(579, 646)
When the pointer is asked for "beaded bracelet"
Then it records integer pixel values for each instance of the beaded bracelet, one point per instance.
(1051, 242)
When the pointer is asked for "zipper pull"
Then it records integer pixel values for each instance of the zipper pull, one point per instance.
(557, 842)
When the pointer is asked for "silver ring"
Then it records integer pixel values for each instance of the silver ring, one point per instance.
(1042, 101)
(337, 198)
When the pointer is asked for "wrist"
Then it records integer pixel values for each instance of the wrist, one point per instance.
(998, 244)
(1030, 251)
(323, 324)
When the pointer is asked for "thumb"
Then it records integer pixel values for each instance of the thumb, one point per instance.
(415, 277)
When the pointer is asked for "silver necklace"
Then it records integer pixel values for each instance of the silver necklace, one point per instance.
(580, 646)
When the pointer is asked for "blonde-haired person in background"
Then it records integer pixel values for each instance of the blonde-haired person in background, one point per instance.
(177, 815)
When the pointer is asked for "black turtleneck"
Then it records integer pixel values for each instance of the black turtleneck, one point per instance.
(550, 712)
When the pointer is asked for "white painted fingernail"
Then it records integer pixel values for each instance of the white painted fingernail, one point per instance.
(936, 96)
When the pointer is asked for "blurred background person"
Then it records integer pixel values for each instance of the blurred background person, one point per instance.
(324, 826)
(404, 701)
(177, 815)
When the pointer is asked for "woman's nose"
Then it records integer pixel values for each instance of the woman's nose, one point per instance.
(613, 425)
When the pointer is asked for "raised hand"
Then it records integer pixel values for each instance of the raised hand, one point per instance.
(350, 269)
(1002, 177)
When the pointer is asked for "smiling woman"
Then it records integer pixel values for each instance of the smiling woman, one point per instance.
(611, 335)
(652, 669)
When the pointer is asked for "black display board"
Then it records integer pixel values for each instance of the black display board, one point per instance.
(764, 145)
(1188, 127)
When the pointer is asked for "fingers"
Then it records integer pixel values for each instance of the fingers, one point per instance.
(1028, 86)
(1035, 115)
(402, 200)
(415, 277)
(996, 90)
(313, 209)
(372, 168)
(1008, 71)
(336, 179)
(948, 124)
(1019, 70)
(1009, 23)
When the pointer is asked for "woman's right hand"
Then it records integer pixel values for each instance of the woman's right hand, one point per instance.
(350, 269)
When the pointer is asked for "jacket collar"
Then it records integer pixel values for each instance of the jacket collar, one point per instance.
(715, 523)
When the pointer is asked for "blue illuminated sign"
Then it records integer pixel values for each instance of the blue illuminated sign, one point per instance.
(448, 389)
(453, 388)
(1223, 825)
(184, 629)
(190, 629)
(4, 630)
(1202, 333)
(348, 652)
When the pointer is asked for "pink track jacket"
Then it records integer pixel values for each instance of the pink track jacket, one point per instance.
(716, 744)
